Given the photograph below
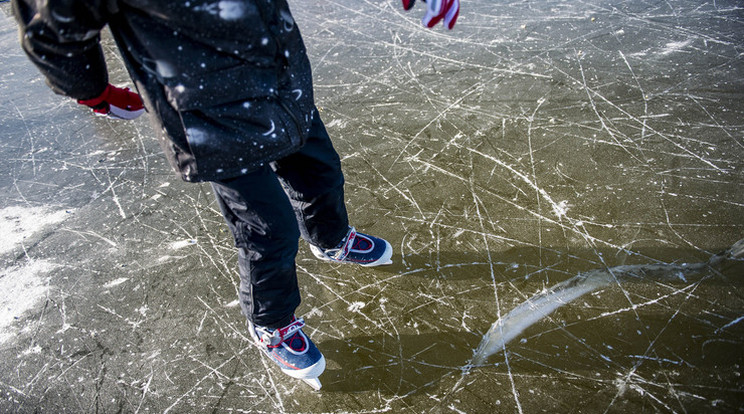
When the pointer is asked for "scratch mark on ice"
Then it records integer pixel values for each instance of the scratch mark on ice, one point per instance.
(183, 243)
(542, 304)
(115, 282)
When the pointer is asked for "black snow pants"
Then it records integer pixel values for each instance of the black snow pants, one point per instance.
(268, 210)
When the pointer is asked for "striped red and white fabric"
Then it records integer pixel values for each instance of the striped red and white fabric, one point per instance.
(436, 11)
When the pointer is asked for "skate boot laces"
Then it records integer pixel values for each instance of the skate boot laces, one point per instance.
(291, 350)
(273, 338)
(345, 248)
(358, 248)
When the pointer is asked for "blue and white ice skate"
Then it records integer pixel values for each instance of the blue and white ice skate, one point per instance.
(357, 248)
(291, 350)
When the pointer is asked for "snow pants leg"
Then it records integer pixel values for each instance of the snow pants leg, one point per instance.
(267, 211)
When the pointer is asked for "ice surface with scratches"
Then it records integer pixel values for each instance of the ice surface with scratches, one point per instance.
(525, 166)
(543, 304)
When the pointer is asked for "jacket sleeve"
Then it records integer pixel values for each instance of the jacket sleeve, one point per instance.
(61, 37)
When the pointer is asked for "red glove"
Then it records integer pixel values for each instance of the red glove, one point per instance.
(116, 103)
(437, 10)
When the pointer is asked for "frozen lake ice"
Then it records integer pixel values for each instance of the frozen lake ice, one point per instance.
(535, 142)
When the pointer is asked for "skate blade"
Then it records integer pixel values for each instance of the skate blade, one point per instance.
(314, 383)
(389, 262)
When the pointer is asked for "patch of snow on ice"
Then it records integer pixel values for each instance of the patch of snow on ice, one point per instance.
(23, 288)
(672, 47)
(19, 222)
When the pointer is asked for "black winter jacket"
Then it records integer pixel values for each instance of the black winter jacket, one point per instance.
(228, 81)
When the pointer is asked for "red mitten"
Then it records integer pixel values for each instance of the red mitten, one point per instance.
(408, 4)
(437, 10)
(116, 103)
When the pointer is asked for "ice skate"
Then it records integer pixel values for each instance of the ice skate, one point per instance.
(357, 248)
(290, 349)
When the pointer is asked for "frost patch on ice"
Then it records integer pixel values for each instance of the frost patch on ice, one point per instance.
(337, 123)
(313, 312)
(19, 222)
(356, 306)
(32, 350)
(22, 288)
(560, 209)
(672, 47)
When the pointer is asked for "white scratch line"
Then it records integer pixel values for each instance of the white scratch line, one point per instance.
(183, 243)
(730, 324)
(115, 282)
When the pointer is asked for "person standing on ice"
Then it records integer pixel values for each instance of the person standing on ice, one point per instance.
(229, 87)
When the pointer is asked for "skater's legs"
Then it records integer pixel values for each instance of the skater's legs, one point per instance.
(264, 226)
(314, 182)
